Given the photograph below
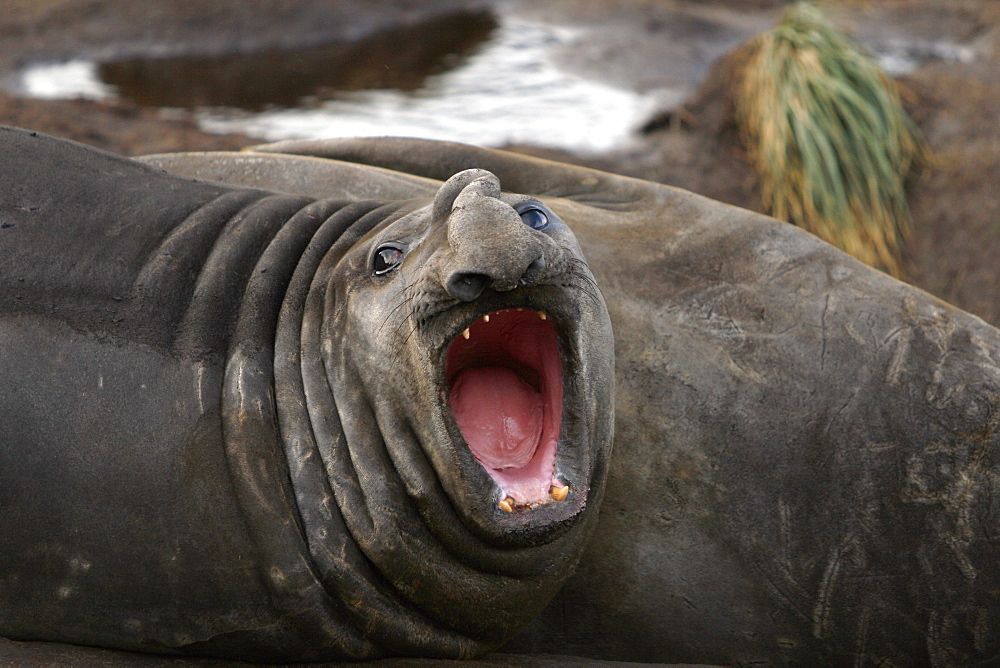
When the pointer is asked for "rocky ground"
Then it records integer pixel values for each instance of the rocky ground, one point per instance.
(955, 100)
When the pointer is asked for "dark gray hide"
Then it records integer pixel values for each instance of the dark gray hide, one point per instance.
(805, 465)
(223, 433)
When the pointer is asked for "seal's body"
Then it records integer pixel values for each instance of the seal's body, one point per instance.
(250, 425)
(805, 455)
(806, 449)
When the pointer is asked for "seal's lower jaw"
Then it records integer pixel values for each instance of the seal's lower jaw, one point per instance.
(505, 382)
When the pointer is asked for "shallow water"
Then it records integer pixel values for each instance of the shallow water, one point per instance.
(507, 92)
(65, 80)
(398, 59)
(470, 78)
(467, 77)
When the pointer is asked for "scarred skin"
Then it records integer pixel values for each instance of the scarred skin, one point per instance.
(227, 432)
(805, 449)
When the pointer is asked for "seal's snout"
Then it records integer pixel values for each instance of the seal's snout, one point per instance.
(513, 346)
(490, 245)
(466, 286)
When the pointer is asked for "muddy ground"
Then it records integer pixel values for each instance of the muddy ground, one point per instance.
(955, 246)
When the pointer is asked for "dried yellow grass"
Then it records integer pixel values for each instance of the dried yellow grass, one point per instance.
(829, 137)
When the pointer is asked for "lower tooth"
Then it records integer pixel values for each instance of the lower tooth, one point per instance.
(507, 505)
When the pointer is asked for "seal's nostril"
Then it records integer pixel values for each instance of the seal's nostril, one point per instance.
(466, 287)
(533, 271)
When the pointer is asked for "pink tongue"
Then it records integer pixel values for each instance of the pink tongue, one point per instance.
(499, 414)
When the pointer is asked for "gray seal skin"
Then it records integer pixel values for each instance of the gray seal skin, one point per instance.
(234, 422)
(806, 462)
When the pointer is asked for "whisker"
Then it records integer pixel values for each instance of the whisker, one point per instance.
(576, 274)
(577, 262)
(396, 308)
(594, 297)
(401, 346)
(588, 279)
(402, 321)
(585, 275)
(401, 291)
(430, 308)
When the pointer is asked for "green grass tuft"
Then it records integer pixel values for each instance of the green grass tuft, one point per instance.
(828, 136)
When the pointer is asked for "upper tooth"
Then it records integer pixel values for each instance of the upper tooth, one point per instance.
(559, 492)
(465, 333)
(486, 318)
(542, 315)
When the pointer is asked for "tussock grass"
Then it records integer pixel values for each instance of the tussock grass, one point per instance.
(828, 136)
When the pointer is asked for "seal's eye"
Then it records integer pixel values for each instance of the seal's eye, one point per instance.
(535, 218)
(386, 259)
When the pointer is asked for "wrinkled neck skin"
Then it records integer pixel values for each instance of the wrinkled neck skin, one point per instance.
(419, 546)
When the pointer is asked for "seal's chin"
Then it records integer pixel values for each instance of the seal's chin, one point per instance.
(504, 374)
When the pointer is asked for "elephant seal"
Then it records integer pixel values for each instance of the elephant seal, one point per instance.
(265, 426)
(806, 459)
(806, 449)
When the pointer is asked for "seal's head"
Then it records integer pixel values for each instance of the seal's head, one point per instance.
(457, 365)
(481, 324)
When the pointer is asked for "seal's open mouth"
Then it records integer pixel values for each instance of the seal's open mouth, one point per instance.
(505, 378)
